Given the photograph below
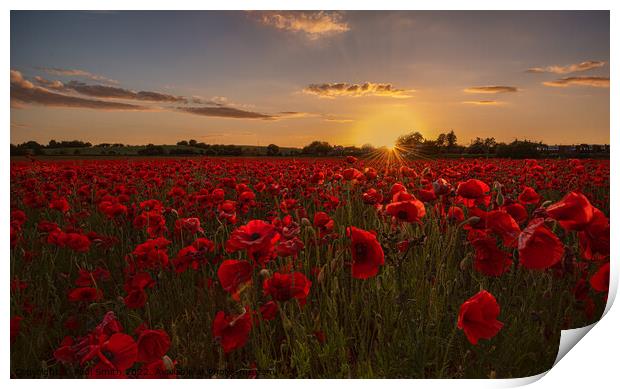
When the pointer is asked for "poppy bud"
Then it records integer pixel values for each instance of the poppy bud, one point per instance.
(168, 364)
(500, 199)
(264, 273)
(464, 264)
(321, 276)
(305, 222)
(471, 220)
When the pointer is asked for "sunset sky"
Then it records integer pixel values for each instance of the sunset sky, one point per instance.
(288, 78)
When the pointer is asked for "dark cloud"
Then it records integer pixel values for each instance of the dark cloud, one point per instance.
(491, 89)
(573, 68)
(104, 91)
(226, 112)
(70, 94)
(25, 92)
(597, 82)
(332, 90)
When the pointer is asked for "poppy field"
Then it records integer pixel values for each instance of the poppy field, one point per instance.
(303, 268)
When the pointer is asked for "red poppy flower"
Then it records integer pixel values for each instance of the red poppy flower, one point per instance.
(456, 214)
(152, 345)
(516, 210)
(256, 236)
(504, 225)
(529, 196)
(232, 331)
(283, 287)
(233, 274)
(61, 205)
(600, 280)
(190, 225)
(489, 259)
(539, 248)
(406, 211)
(85, 294)
(478, 317)
(115, 356)
(426, 195)
(472, 189)
(135, 299)
(289, 247)
(269, 310)
(323, 223)
(573, 212)
(151, 254)
(372, 197)
(594, 239)
(366, 253)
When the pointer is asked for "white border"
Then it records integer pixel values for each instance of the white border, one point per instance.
(592, 364)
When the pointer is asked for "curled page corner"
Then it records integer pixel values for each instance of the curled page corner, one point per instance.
(569, 338)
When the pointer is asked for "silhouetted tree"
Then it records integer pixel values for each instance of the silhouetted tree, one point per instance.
(273, 149)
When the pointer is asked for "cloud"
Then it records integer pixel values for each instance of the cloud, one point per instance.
(491, 89)
(483, 102)
(56, 85)
(25, 92)
(226, 112)
(573, 68)
(71, 94)
(332, 90)
(104, 91)
(19, 125)
(77, 73)
(340, 120)
(597, 82)
(336, 119)
(313, 25)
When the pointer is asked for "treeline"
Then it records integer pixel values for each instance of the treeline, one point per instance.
(414, 144)
(411, 145)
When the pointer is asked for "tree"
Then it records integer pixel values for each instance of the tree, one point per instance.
(317, 148)
(489, 145)
(182, 143)
(442, 140)
(410, 140)
(273, 149)
(367, 148)
(192, 142)
(519, 149)
(451, 139)
(476, 146)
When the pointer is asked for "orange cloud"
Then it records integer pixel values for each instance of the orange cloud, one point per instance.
(483, 102)
(597, 82)
(573, 68)
(333, 90)
(491, 89)
(314, 25)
